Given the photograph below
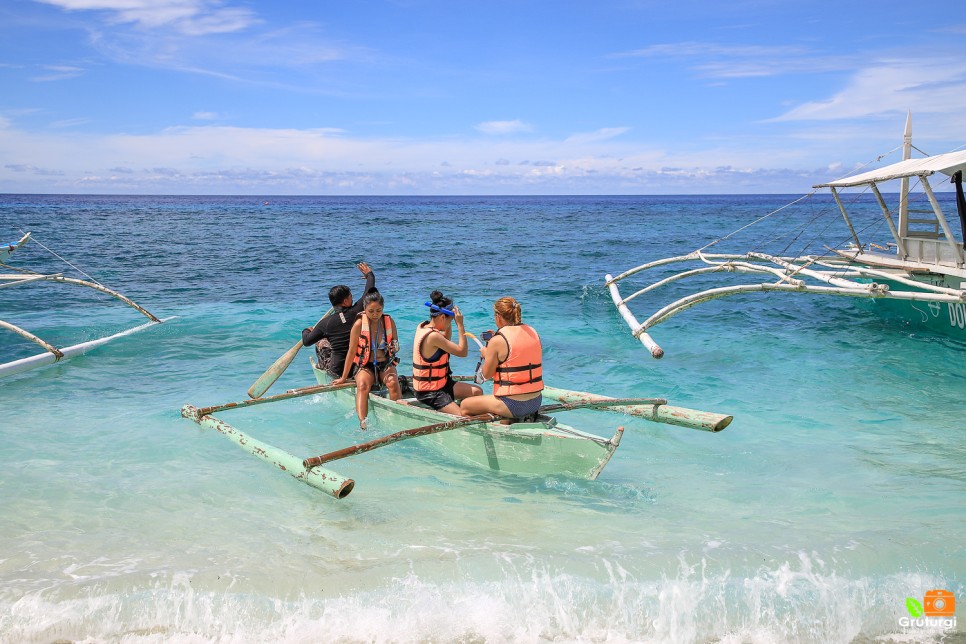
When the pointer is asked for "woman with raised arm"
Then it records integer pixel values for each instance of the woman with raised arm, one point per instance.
(374, 359)
(513, 358)
(433, 345)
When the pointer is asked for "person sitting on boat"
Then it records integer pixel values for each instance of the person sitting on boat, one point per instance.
(374, 336)
(331, 335)
(513, 358)
(432, 347)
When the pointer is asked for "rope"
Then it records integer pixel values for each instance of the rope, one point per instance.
(760, 219)
(816, 217)
(39, 243)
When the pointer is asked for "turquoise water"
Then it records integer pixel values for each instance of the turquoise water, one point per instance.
(838, 491)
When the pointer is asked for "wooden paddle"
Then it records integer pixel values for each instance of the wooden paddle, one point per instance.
(278, 367)
(466, 421)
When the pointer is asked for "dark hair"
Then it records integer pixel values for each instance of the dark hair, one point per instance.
(440, 300)
(373, 295)
(337, 294)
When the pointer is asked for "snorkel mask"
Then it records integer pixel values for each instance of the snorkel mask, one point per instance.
(435, 310)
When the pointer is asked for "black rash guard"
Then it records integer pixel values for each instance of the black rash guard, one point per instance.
(338, 326)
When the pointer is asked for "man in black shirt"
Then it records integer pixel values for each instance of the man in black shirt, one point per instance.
(337, 327)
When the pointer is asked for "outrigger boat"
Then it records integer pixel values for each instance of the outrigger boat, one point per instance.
(52, 353)
(922, 262)
(538, 445)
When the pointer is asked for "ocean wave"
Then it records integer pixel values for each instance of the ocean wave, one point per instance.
(804, 599)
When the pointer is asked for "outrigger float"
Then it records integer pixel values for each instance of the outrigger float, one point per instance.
(924, 262)
(51, 353)
(537, 445)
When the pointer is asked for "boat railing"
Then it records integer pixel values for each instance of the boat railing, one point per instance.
(930, 250)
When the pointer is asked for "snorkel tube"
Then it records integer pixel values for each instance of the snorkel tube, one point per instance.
(478, 372)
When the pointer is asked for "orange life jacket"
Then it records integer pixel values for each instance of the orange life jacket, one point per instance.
(428, 375)
(364, 350)
(522, 371)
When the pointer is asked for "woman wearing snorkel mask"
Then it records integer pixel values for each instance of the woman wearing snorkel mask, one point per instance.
(432, 347)
(374, 360)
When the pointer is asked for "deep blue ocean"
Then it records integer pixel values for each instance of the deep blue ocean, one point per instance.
(838, 491)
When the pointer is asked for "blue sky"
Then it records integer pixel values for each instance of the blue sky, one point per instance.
(432, 97)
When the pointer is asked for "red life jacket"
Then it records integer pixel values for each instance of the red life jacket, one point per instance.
(428, 375)
(522, 371)
(364, 350)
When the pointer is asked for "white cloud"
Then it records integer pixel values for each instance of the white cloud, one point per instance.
(205, 116)
(891, 86)
(190, 17)
(602, 134)
(503, 127)
(254, 56)
(233, 160)
(44, 172)
(223, 160)
(58, 72)
(66, 123)
(730, 61)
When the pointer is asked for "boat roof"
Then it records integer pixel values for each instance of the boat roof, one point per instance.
(947, 163)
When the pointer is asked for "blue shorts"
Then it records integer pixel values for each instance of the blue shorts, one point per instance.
(522, 408)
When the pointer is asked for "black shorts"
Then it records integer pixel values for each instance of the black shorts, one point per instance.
(440, 397)
(382, 367)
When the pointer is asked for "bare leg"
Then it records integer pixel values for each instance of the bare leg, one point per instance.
(475, 405)
(452, 408)
(461, 390)
(465, 390)
(391, 380)
(364, 380)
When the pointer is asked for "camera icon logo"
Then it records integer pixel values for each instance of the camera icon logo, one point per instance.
(939, 603)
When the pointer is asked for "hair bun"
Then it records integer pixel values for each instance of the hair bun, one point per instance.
(436, 296)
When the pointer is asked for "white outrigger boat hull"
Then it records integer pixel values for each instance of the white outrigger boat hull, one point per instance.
(51, 353)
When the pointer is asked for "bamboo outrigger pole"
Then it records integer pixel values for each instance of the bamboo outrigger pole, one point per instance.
(660, 413)
(663, 413)
(322, 479)
(291, 393)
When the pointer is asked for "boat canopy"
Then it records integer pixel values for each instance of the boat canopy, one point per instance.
(947, 163)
